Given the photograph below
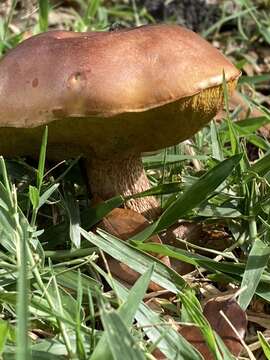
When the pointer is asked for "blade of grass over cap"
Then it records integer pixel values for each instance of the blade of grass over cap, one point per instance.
(191, 197)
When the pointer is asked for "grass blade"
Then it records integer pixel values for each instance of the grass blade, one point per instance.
(43, 6)
(265, 345)
(22, 341)
(80, 348)
(168, 340)
(197, 193)
(4, 332)
(192, 197)
(194, 311)
(121, 343)
(138, 261)
(127, 312)
(42, 156)
(257, 261)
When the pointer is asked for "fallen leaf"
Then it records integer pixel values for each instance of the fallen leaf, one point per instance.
(261, 319)
(124, 223)
(211, 311)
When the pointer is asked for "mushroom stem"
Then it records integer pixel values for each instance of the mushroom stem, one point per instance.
(122, 176)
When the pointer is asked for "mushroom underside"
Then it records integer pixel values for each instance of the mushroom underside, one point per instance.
(126, 133)
(112, 146)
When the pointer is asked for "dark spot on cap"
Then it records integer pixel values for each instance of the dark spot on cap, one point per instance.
(35, 82)
(77, 76)
(77, 81)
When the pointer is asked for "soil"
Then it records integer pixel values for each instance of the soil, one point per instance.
(194, 14)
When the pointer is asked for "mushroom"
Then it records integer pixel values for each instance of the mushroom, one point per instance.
(110, 96)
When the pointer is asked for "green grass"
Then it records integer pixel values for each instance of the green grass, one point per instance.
(56, 300)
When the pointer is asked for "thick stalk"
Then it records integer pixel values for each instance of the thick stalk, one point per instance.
(122, 176)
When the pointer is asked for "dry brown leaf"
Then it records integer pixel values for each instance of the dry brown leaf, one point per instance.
(211, 311)
(261, 319)
(229, 306)
(212, 237)
(158, 355)
(257, 305)
(125, 223)
(5, 7)
(187, 231)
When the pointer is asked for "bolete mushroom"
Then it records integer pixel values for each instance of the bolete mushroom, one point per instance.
(110, 96)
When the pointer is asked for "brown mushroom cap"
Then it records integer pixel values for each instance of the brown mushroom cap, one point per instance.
(129, 91)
